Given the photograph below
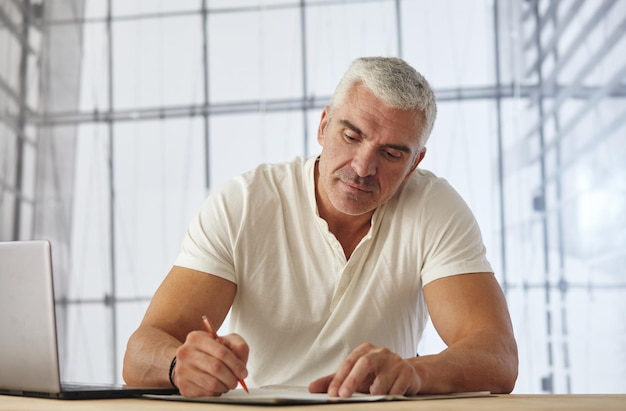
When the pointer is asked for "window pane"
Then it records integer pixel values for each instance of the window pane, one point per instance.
(234, 4)
(86, 347)
(240, 142)
(157, 62)
(90, 274)
(339, 33)
(125, 7)
(252, 57)
(94, 94)
(159, 185)
(450, 42)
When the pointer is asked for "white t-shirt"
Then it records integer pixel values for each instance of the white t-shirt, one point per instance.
(300, 305)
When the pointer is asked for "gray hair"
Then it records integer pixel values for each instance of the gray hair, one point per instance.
(393, 81)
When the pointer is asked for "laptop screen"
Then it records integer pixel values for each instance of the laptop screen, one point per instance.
(28, 342)
(28, 346)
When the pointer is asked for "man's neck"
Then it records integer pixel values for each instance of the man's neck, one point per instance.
(350, 235)
(347, 229)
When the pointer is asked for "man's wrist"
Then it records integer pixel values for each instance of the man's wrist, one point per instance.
(171, 372)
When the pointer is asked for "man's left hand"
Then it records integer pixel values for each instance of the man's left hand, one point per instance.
(370, 369)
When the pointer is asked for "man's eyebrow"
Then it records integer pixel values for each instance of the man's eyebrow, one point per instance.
(351, 126)
(403, 148)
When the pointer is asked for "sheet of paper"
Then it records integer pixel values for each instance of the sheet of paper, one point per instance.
(300, 395)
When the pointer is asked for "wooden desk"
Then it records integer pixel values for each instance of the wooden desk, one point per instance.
(515, 402)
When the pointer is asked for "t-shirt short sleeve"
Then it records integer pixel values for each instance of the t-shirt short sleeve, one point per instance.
(452, 239)
(209, 242)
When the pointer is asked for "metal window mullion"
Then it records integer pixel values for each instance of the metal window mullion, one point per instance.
(592, 62)
(556, 36)
(595, 19)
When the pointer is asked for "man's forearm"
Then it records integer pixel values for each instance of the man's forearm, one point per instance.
(486, 361)
(148, 357)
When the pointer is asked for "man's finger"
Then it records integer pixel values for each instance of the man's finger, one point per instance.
(235, 361)
(396, 377)
(345, 368)
(208, 364)
(194, 381)
(237, 345)
(321, 384)
(363, 374)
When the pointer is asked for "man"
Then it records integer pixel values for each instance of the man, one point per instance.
(331, 264)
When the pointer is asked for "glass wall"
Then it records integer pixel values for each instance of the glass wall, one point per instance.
(118, 117)
(565, 196)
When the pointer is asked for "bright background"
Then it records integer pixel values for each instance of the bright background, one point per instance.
(118, 117)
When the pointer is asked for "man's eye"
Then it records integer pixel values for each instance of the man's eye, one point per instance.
(348, 137)
(393, 155)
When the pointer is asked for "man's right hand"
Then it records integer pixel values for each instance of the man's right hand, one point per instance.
(204, 367)
(173, 326)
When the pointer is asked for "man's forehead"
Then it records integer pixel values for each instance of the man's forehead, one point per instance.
(368, 123)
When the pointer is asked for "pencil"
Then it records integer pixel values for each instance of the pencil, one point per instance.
(209, 327)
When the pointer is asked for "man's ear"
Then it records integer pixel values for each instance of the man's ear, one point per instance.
(418, 159)
(322, 126)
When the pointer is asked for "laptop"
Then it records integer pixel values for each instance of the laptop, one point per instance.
(29, 359)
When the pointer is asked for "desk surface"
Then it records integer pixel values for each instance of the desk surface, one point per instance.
(514, 402)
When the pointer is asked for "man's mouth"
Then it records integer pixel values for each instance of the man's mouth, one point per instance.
(357, 187)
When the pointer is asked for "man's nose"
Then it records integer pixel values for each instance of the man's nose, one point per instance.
(364, 162)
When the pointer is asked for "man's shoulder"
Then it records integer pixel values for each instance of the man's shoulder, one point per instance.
(294, 167)
(280, 180)
(424, 189)
(423, 179)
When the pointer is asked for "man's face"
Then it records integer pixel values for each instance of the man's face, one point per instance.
(368, 150)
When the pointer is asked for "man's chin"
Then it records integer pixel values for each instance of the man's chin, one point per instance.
(350, 206)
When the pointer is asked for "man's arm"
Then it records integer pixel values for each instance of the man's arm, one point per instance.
(172, 326)
(470, 314)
